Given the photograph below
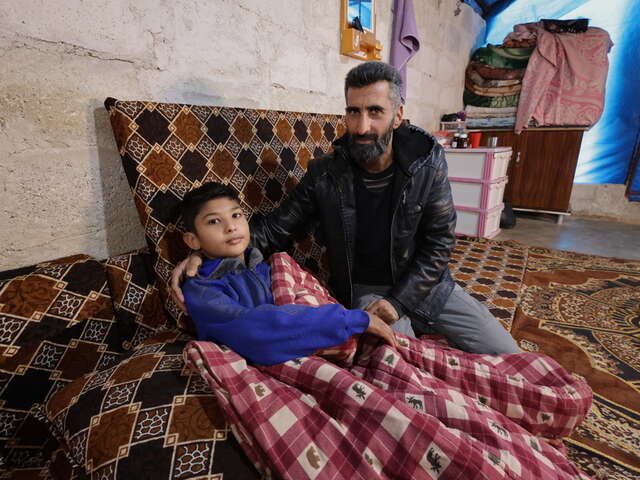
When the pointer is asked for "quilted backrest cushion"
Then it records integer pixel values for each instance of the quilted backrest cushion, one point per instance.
(57, 323)
(136, 300)
(168, 149)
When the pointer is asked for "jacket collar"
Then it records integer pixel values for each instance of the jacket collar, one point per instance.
(412, 148)
(217, 267)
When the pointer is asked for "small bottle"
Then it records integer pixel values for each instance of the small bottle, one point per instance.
(455, 141)
(463, 141)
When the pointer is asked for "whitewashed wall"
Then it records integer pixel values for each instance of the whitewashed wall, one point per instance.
(62, 190)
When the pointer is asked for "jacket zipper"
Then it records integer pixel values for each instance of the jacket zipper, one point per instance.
(346, 243)
(393, 222)
(344, 228)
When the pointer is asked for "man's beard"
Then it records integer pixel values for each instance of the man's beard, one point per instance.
(367, 154)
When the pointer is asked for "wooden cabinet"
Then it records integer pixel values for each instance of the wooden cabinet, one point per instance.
(542, 166)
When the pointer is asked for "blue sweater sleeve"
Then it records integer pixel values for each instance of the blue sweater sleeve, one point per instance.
(269, 334)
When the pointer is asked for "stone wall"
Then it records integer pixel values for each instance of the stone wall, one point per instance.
(604, 200)
(63, 190)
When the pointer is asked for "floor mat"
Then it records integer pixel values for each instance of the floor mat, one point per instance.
(584, 311)
(491, 272)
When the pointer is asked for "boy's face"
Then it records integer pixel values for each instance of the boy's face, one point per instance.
(221, 228)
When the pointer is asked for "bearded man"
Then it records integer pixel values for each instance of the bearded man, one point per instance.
(383, 204)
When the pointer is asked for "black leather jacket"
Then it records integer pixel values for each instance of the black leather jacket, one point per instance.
(422, 226)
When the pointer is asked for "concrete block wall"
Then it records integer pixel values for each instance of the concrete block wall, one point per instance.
(62, 189)
(604, 200)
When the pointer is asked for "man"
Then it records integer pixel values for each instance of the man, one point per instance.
(384, 206)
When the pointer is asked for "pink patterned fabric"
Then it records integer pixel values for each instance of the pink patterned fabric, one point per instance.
(564, 83)
(290, 284)
(422, 411)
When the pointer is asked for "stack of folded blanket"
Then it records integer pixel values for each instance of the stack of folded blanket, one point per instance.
(493, 82)
(551, 72)
(488, 117)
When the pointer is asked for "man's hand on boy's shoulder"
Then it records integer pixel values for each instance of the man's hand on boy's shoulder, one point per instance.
(186, 268)
(378, 327)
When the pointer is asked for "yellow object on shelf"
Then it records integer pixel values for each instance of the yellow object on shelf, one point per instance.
(361, 44)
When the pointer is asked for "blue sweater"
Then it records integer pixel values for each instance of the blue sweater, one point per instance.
(232, 304)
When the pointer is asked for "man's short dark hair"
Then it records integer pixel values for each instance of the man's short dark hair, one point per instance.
(194, 200)
(368, 73)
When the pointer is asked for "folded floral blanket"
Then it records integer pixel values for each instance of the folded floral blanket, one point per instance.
(471, 98)
(472, 75)
(515, 43)
(482, 111)
(491, 122)
(501, 57)
(493, 73)
(503, 91)
(422, 411)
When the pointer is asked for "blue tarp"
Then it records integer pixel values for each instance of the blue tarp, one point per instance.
(607, 148)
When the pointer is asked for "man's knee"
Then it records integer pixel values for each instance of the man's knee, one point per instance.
(470, 326)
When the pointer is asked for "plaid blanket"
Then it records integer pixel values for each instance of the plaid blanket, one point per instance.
(422, 411)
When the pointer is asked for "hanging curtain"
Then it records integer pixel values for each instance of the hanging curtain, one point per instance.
(404, 39)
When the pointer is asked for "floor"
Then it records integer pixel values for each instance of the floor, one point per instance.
(578, 234)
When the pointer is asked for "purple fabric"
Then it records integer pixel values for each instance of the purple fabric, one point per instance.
(404, 40)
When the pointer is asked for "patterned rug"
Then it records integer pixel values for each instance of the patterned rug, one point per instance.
(584, 311)
(491, 272)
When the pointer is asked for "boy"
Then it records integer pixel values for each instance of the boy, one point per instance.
(230, 299)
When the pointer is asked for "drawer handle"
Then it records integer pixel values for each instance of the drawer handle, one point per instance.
(518, 158)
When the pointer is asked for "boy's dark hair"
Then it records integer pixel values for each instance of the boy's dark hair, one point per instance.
(194, 200)
(368, 73)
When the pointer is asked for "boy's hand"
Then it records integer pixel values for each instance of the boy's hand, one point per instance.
(187, 267)
(384, 310)
(379, 328)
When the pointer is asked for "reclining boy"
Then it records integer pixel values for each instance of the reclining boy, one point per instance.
(230, 299)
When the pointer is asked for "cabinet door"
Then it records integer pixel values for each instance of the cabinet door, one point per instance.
(543, 167)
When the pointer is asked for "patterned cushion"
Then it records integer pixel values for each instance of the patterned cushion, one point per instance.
(169, 149)
(38, 455)
(135, 296)
(56, 324)
(147, 417)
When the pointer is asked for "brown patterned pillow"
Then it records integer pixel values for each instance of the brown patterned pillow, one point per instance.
(168, 149)
(147, 417)
(136, 299)
(37, 453)
(56, 324)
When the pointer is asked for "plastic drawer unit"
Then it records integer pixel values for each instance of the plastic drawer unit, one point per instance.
(478, 179)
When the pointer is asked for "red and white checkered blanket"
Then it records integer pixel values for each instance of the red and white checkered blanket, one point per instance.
(422, 411)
